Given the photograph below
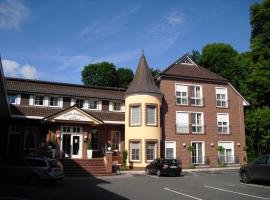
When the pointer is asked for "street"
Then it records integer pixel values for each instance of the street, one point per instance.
(222, 185)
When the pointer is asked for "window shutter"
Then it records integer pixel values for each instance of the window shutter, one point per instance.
(111, 106)
(31, 100)
(72, 102)
(221, 91)
(99, 105)
(182, 118)
(18, 99)
(223, 117)
(46, 103)
(85, 104)
(181, 88)
(60, 102)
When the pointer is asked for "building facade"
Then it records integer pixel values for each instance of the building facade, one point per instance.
(186, 113)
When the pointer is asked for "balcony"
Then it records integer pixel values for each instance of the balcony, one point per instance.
(182, 128)
(227, 159)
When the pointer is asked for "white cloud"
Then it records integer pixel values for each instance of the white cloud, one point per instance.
(12, 12)
(13, 69)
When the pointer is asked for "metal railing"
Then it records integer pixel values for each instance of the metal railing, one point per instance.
(228, 159)
(200, 160)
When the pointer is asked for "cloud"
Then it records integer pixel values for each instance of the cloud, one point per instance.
(12, 13)
(13, 69)
(106, 27)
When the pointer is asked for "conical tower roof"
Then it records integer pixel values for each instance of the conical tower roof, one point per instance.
(143, 81)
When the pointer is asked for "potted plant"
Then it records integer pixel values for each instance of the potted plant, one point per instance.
(221, 157)
(89, 149)
(191, 149)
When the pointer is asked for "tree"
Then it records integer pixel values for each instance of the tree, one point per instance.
(155, 72)
(223, 59)
(258, 131)
(194, 55)
(125, 76)
(100, 74)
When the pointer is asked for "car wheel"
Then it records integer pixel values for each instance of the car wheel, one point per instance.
(158, 173)
(33, 180)
(177, 174)
(245, 177)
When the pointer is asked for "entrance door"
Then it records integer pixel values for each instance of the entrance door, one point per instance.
(76, 146)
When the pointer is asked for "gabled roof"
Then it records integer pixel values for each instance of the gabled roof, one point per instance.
(65, 89)
(4, 105)
(143, 81)
(184, 67)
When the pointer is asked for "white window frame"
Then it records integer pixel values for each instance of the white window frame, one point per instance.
(232, 144)
(130, 151)
(155, 117)
(197, 125)
(222, 100)
(83, 103)
(34, 100)
(155, 149)
(17, 99)
(181, 95)
(186, 126)
(91, 101)
(195, 98)
(130, 115)
(224, 126)
(203, 152)
(28, 133)
(174, 149)
(58, 101)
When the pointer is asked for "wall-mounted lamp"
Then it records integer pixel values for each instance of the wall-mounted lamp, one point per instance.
(238, 144)
(212, 144)
(58, 134)
(184, 144)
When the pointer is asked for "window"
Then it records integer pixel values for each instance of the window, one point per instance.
(116, 106)
(198, 152)
(54, 101)
(181, 93)
(170, 149)
(151, 151)
(182, 122)
(12, 98)
(39, 101)
(196, 96)
(30, 138)
(70, 129)
(228, 155)
(79, 103)
(14, 140)
(223, 123)
(135, 151)
(93, 104)
(95, 139)
(221, 97)
(115, 140)
(151, 115)
(135, 115)
(197, 123)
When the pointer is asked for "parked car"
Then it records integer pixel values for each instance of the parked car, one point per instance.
(31, 170)
(256, 170)
(164, 166)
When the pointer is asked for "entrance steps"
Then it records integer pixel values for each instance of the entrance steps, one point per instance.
(84, 167)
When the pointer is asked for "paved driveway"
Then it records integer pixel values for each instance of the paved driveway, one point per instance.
(222, 185)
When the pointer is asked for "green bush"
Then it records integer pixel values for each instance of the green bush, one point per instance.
(89, 145)
(124, 157)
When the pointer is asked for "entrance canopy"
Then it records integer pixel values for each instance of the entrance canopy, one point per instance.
(73, 115)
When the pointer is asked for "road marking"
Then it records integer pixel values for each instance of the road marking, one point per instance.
(254, 185)
(230, 191)
(192, 197)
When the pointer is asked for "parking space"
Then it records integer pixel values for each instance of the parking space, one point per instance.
(222, 185)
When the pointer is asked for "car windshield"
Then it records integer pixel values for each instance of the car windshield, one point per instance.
(53, 163)
(171, 162)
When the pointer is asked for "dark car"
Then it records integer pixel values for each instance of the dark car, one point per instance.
(31, 170)
(256, 170)
(164, 166)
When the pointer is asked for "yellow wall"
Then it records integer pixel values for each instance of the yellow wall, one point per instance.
(142, 132)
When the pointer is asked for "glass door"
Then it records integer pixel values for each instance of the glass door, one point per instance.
(197, 153)
(76, 146)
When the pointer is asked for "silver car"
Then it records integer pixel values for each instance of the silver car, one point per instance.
(32, 170)
(256, 170)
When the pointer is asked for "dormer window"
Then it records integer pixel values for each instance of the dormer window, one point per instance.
(116, 106)
(39, 100)
(79, 103)
(93, 104)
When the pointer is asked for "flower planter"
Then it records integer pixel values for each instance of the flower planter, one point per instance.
(89, 153)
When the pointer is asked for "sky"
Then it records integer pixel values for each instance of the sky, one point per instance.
(54, 39)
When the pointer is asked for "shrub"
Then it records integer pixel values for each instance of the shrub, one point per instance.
(89, 145)
(124, 157)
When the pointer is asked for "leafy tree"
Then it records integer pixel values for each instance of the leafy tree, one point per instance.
(258, 131)
(223, 59)
(155, 71)
(195, 55)
(100, 74)
(125, 76)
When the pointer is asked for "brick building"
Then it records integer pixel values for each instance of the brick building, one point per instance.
(187, 107)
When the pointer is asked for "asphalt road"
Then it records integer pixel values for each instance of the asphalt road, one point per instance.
(222, 185)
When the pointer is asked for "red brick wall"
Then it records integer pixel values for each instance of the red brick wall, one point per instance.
(236, 120)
